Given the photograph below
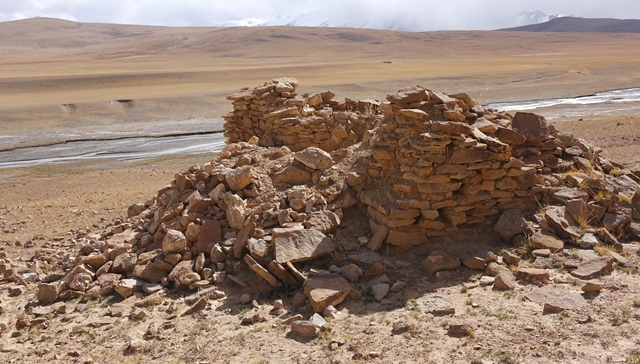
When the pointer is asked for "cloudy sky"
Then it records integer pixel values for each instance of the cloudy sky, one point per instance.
(417, 14)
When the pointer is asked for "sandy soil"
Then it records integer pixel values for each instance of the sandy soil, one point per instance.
(185, 73)
(69, 76)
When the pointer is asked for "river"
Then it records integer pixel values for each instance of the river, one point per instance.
(119, 149)
(612, 97)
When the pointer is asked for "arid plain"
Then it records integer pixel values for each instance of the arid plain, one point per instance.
(59, 77)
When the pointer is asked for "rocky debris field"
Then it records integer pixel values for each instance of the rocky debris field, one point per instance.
(444, 231)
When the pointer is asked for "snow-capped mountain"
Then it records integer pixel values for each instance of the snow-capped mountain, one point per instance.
(374, 20)
(534, 17)
(333, 20)
(249, 22)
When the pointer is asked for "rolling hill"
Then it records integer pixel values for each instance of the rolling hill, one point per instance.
(182, 73)
(583, 25)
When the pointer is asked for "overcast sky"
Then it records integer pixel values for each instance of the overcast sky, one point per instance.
(428, 14)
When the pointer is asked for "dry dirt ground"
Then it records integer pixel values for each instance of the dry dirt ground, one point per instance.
(185, 73)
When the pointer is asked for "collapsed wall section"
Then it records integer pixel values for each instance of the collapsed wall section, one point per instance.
(276, 115)
(428, 164)
(440, 163)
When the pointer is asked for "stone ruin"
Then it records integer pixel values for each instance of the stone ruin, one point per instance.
(279, 117)
(421, 167)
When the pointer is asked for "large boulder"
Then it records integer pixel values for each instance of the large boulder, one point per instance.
(183, 275)
(314, 158)
(239, 178)
(174, 242)
(236, 211)
(533, 127)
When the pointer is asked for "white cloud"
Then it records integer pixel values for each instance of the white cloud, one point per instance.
(424, 14)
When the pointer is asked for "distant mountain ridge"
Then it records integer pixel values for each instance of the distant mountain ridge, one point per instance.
(331, 19)
(526, 22)
(534, 17)
(583, 25)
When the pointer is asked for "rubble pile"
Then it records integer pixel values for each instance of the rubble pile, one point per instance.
(277, 116)
(435, 166)
(246, 218)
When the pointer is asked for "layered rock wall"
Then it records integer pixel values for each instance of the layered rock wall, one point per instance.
(434, 163)
(277, 116)
(446, 163)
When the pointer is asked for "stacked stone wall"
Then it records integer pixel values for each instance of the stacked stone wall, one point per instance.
(276, 115)
(435, 163)
(446, 163)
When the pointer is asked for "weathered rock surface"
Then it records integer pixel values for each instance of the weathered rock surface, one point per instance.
(505, 281)
(593, 268)
(436, 263)
(298, 245)
(437, 306)
(562, 223)
(380, 290)
(533, 274)
(326, 291)
(557, 301)
(314, 158)
(533, 127)
(510, 224)
(544, 241)
(174, 242)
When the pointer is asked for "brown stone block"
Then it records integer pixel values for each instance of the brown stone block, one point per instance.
(407, 236)
(210, 233)
(432, 224)
(436, 188)
(492, 174)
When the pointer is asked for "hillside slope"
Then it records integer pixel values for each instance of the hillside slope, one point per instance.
(582, 25)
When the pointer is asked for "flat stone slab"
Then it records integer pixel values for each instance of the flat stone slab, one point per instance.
(329, 290)
(437, 263)
(562, 223)
(543, 241)
(561, 301)
(533, 274)
(538, 295)
(593, 268)
(437, 306)
(366, 258)
(299, 245)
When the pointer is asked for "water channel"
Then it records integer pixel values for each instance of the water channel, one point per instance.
(150, 147)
